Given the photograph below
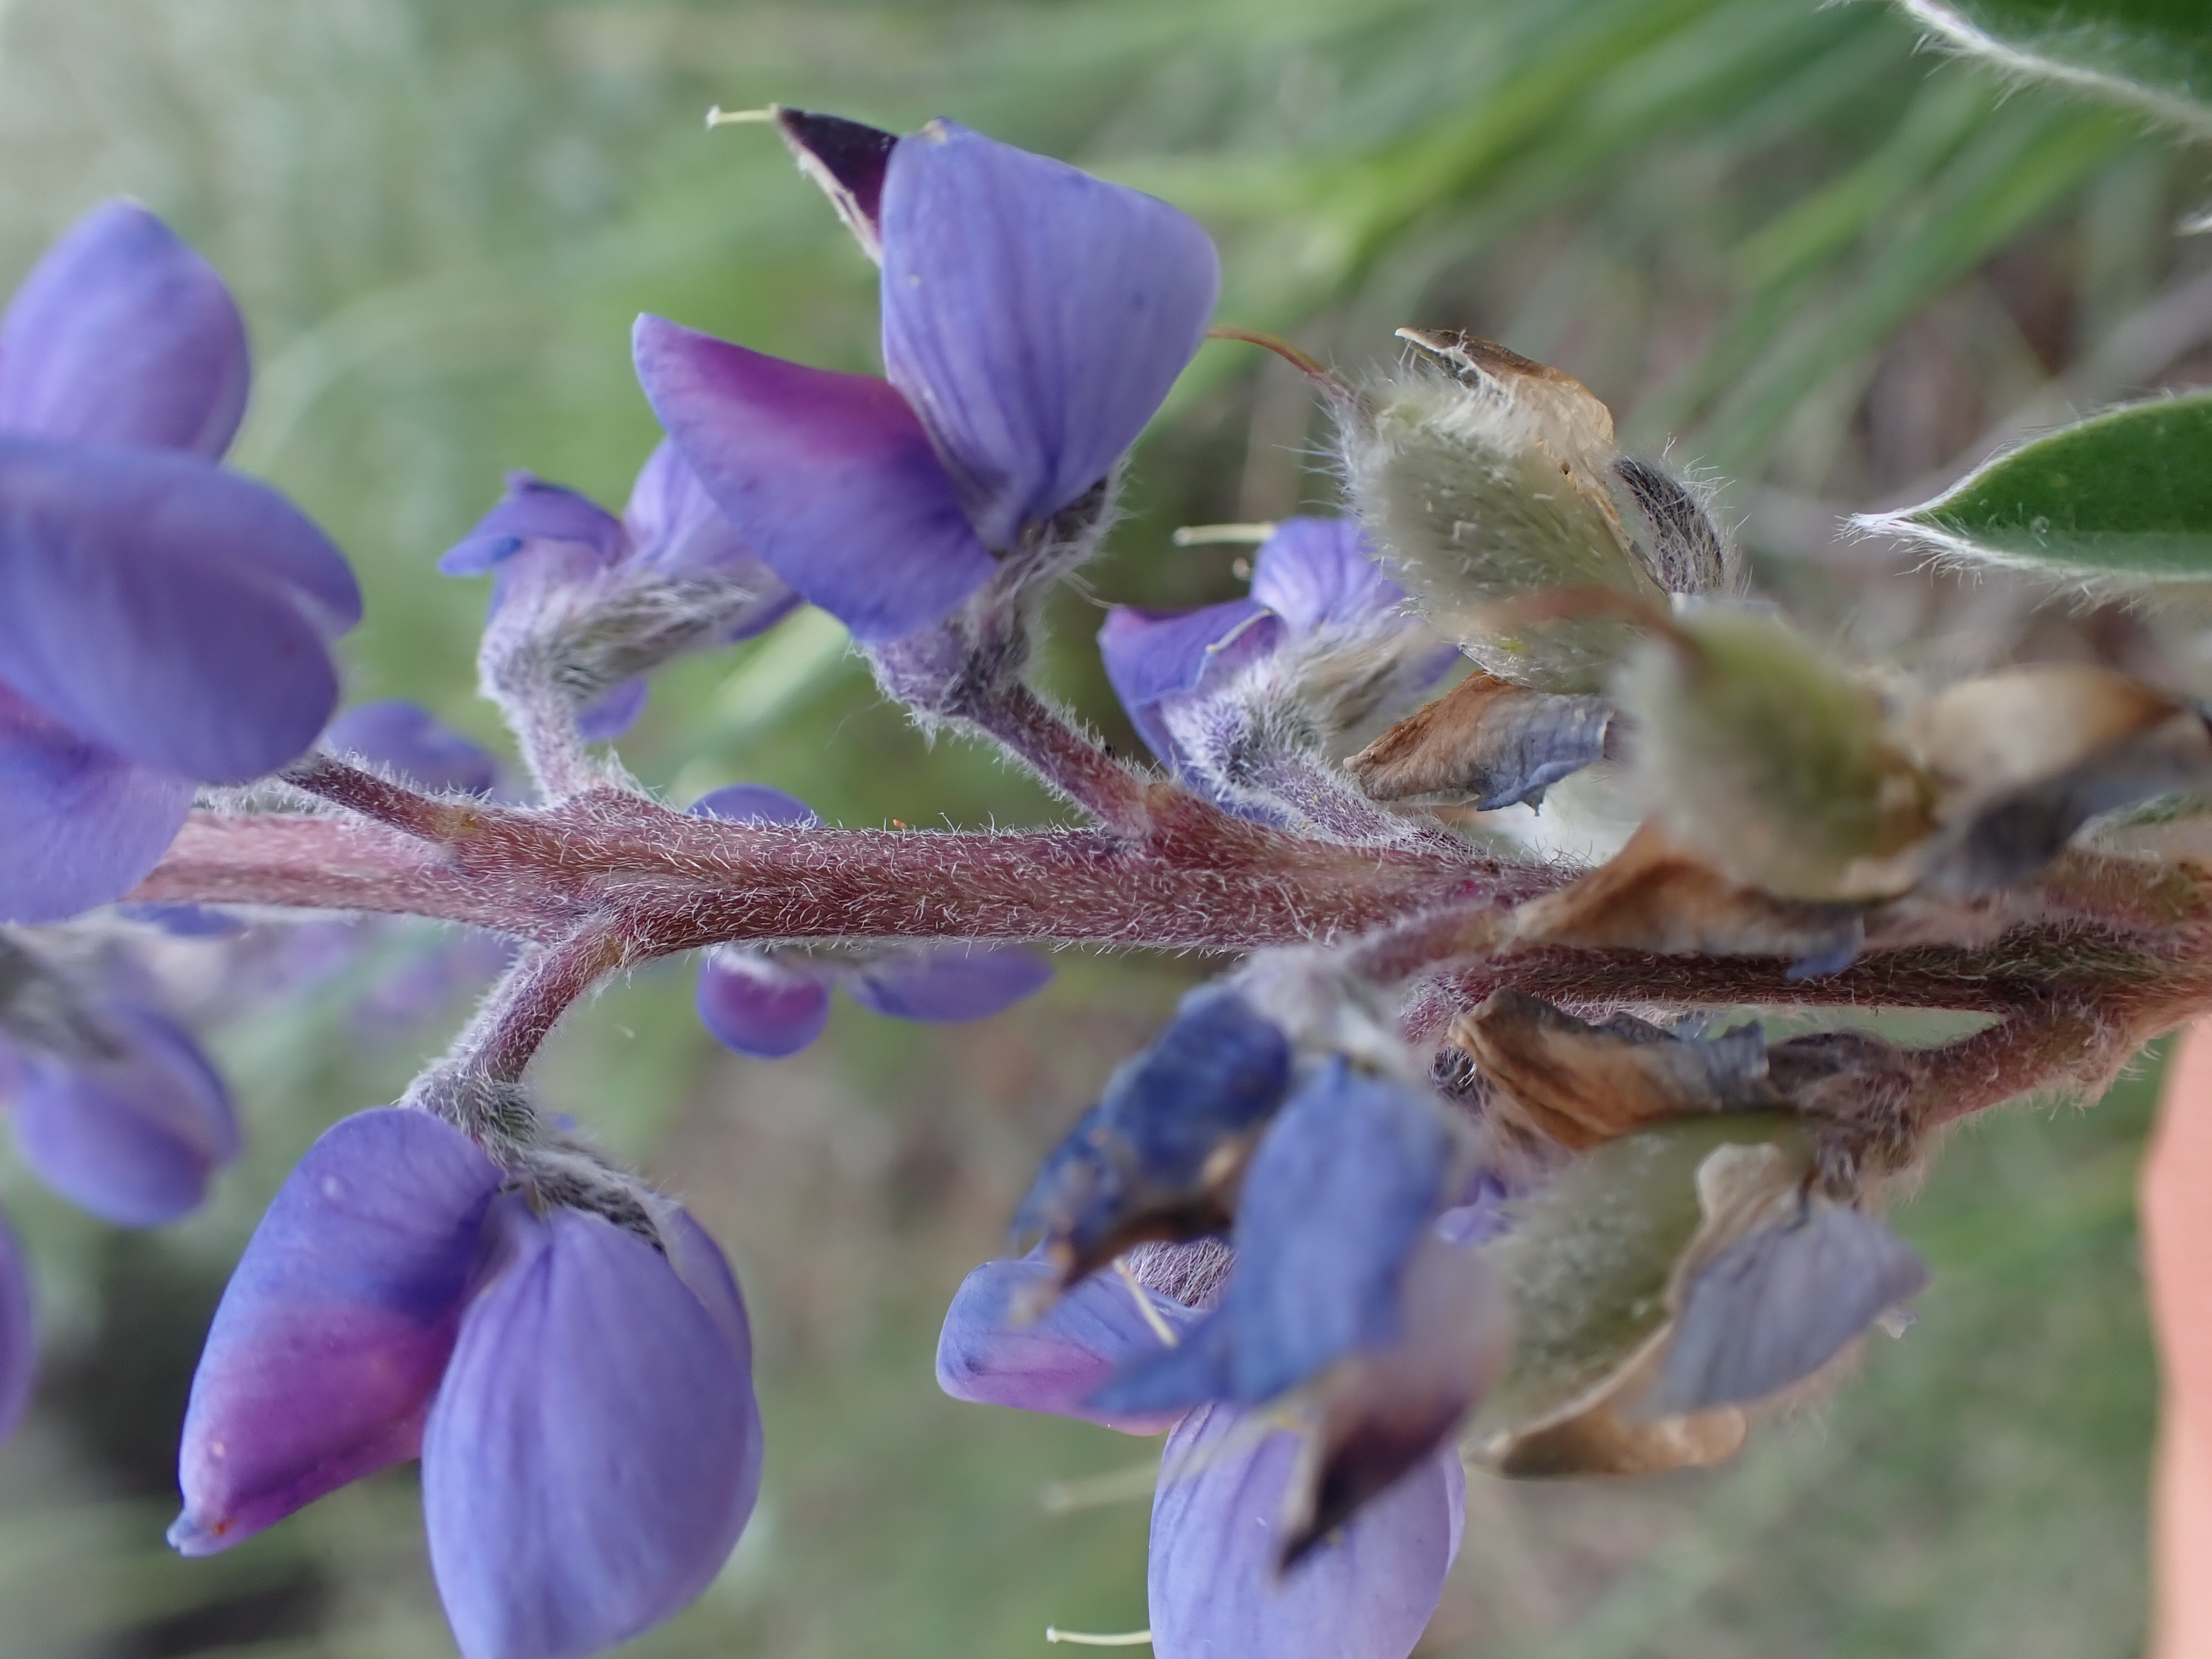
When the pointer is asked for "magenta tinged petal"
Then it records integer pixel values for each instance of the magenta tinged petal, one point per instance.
(593, 1454)
(335, 1330)
(1053, 1363)
(829, 477)
(122, 335)
(1033, 315)
(1216, 1529)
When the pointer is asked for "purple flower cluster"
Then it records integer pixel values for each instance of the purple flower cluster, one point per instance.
(164, 622)
(1353, 1305)
(581, 1395)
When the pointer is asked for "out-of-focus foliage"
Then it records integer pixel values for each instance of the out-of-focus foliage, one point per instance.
(1771, 232)
(2156, 54)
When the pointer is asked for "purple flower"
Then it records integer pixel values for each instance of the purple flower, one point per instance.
(19, 1333)
(1218, 1533)
(416, 744)
(1314, 581)
(562, 562)
(1214, 1585)
(163, 622)
(131, 1136)
(335, 1330)
(771, 1005)
(1033, 319)
(581, 1402)
(589, 1464)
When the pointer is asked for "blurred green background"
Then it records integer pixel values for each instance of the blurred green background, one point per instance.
(1791, 250)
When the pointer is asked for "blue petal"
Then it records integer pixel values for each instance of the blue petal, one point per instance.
(946, 984)
(19, 1333)
(415, 743)
(80, 826)
(1217, 1530)
(184, 921)
(1055, 1361)
(532, 510)
(1171, 1380)
(1148, 1161)
(122, 334)
(1035, 317)
(165, 609)
(335, 1328)
(615, 710)
(676, 528)
(757, 1006)
(829, 477)
(1776, 1305)
(1344, 1185)
(593, 1454)
(1315, 573)
(755, 803)
(131, 1138)
(1153, 658)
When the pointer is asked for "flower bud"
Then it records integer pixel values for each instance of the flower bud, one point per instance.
(1482, 477)
(334, 1331)
(1771, 763)
(131, 1134)
(594, 1449)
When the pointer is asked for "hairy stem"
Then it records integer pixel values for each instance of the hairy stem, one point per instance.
(1067, 759)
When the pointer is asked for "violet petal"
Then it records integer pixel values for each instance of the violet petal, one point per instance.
(1054, 1362)
(1342, 1189)
(19, 1333)
(81, 825)
(1034, 316)
(121, 334)
(532, 510)
(676, 528)
(758, 1007)
(165, 609)
(829, 477)
(1315, 573)
(131, 1138)
(948, 983)
(614, 711)
(415, 743)
(336, 1326)
(754, 803)
(593, 1450)
(1154, 657)
(1213, 1582)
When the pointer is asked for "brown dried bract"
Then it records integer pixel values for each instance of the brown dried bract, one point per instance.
(1651, 896)
(1585, 1084)
(1486, 738)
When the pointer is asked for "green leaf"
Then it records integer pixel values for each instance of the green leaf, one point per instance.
(2125, 496)
(2155, 54)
